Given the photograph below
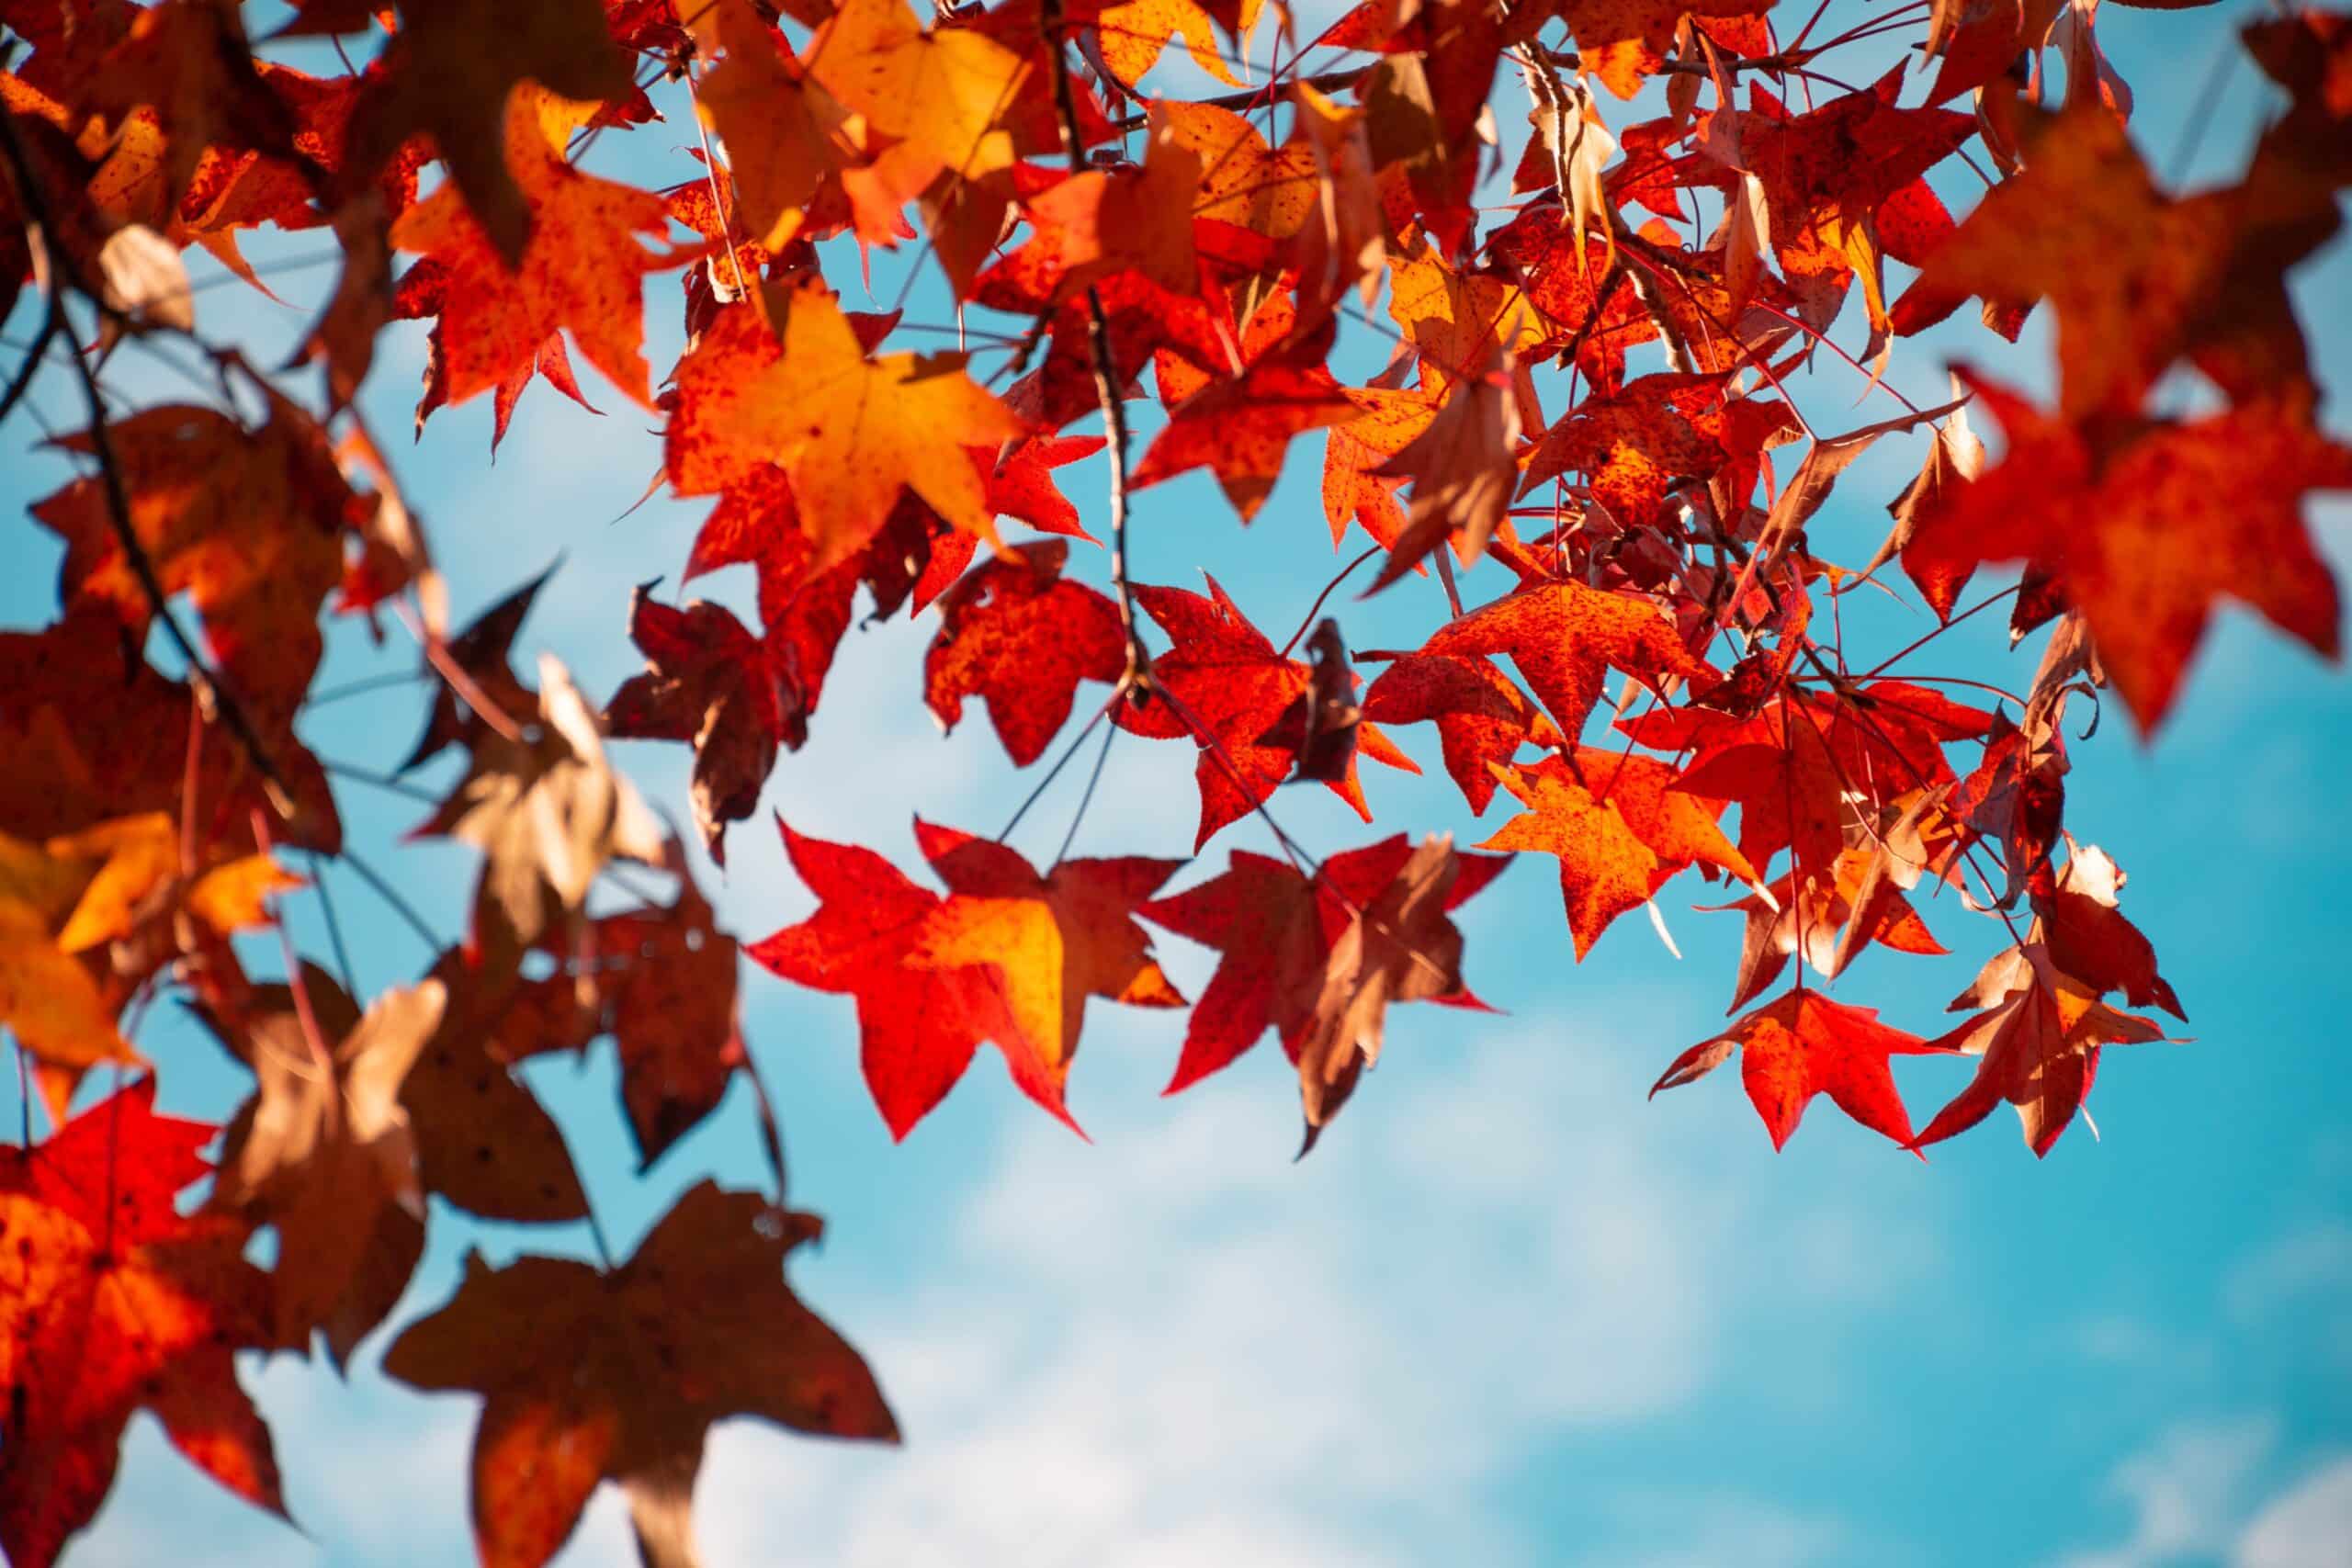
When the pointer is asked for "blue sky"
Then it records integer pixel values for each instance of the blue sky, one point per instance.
(1509, 1312)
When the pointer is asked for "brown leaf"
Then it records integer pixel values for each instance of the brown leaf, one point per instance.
(323, 1148)
(547, 811)
(591, 1376)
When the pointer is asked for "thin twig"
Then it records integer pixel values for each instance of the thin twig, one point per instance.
(1038, 790)
(1137, 679)
(362, 687)
(1917, 643)
(391, 896)
(1265, 97)
(770, 1126)
(34, 357)
(335, 925)
(322, 1053)
(469, 690)
(1328, 589)
(384, 781)
(1087, 797)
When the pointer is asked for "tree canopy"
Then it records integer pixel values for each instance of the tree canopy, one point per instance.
(1550, 373)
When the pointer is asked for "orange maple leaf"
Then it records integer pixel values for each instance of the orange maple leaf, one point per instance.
(932, 100)
(111, 1302)
(1049, 941)
(918, 1027)
(851, 433)
(247, 523)
(450, 73)
(1224, 675)
(1564, 636)
(2039, 1036)
(1621, 831)
(583, 271)
(2137, 277)
(1803, 1045)
(1320, 959)
(2144, 528)
(1014, 632)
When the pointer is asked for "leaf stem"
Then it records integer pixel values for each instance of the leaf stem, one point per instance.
(1328, 589)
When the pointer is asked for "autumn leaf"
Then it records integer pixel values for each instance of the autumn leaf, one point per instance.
(323, 1150)
(1222, 673)
(1621, 829)
(2145, 529)
(1632, 446)
(1241, 429)
(2138, 279)
(591, 1376)
(661, 982)
(97, 736)
(1459, 320)
(2038, 1033)
(2088, 936)
(1395, 946)
(938, 95)
(1803, 1045)
(710, 682)
(111, 1301)
(1321, 724)
(583, 272)
(1132, 36)
(1023, 486)
(1481, 715)
(483, 1141)
(1843, 184)
(1954, 460)
(140, 878)
(189, 67)
(485, 651)
(547, 811)
(247, 523)
(1105, 220)
(850, 432)
(1623, 40)
(1790, 788)
(784, 134)
(55, 1003)
(1015, 632)
(1564, 636)
(917, 1026)
(1342, 239)
(1046, 942)
(444, 78)
(1827, 916)
(1464, 467)
(1318, 959)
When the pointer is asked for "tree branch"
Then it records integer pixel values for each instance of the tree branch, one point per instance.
(217, 697)
(1137, 678)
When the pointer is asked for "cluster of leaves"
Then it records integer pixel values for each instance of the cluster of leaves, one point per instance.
(1200, 255)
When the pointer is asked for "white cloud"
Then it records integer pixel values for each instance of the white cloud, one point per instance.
(2313, 1262)
(2186, 1492)
(1673, 1532)
(2183, 1491)
(2307, 1526)
(1177, 1348)
(1183, 1350)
